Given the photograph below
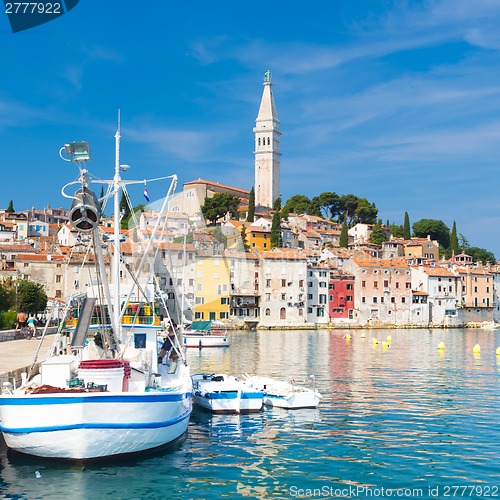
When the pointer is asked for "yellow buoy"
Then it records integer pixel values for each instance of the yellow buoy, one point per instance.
(348, 337)
(374, 341)
(385, 345)
(476, 349)
(441, 346)
(389, 338)
(498, 351)
(363, 335)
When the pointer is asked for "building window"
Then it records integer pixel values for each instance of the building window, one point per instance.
(268, 297)
(283, 282)
(374, 300)
(200, 300)
(349, 298)
(268, 283)
(309, 296)
(375, 284)
(348, 286)
(283, 296)
(268, 312)
(199, 315)
(322, 299)
(363, 300)
(322, 284)
(408, 285)
(58, 278)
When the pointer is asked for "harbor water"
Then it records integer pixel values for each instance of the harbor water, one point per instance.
(399, 419)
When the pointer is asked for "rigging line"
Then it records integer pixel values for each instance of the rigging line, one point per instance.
(129, 203)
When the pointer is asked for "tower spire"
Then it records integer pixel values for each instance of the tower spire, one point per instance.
(267, 148)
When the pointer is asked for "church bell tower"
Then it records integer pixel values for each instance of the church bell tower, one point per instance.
(267, 149)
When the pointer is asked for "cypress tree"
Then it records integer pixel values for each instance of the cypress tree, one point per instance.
(246, 246)
(344, 237)
(454, 239)
(251, 206)
(276, 239)
(10, 208)
(406, 227)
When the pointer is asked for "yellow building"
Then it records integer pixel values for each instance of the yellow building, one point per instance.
(258, 238)
(212, 278)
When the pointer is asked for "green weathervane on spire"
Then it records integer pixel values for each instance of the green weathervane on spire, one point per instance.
(267, 76)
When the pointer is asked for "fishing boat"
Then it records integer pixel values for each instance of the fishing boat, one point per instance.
(282, 394)
(220, 393)
(102, 392)
(206, 334)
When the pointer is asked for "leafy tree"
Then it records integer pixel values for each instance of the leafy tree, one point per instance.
(6, 298)
(365, 211)
(481, 254)
(406, 227)
(377, 236)
(454, 240)
(344, 236)
(276, 238)
(251, 206)
(329, 204)
(246, 246)
(396, 230)
(314, 208)
(298, 204)
(436, 229)
(218, 206)
(348, 206)
(463, 242)
(10, 208)
(32, 297)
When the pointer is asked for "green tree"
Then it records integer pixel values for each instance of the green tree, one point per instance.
(365, 212)
(10, 208)
(276, 238)
(454, 239)
(31, 297)
(314, 208)
(125, 211)
(396, 230)
(463, 242)
(251, 206)
(377, 236)
(218, 206)
(6, 298)
(406, 227)
(246, 246)
(480, 254)
(298, 204)
(436, 229)
(344, 236)
(347, 209)
(329, 203)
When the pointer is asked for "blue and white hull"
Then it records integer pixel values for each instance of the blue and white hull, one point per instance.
(93, 425)
(225, 394)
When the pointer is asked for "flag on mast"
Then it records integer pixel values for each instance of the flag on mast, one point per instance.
(146, 194)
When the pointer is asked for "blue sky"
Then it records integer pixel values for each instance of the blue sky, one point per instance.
(395, 101)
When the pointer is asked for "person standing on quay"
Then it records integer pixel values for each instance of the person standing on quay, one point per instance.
(21, 320)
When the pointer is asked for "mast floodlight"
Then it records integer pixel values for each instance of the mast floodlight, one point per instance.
(78, 151)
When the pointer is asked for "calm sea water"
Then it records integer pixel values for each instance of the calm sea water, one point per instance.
(405, 421)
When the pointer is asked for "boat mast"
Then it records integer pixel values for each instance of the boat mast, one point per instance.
(117, 222)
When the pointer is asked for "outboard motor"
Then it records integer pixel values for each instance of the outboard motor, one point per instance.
(85, 211)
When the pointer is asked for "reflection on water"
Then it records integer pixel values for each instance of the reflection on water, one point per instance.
(407, 415)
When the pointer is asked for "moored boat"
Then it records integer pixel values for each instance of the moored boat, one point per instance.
(205, 334)
(220, 393)
(281, 394)
(101, 392)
